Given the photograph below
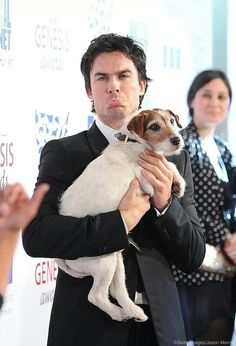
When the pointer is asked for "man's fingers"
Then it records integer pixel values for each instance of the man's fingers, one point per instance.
(134, 184)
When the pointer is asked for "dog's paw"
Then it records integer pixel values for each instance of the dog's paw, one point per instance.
(178, 188)
(142, 319)
(119, 315)
(135, 313)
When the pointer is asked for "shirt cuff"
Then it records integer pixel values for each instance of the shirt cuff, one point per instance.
(160, 213)
(126, 228)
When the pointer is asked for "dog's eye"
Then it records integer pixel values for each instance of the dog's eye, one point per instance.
(172, 121)
(155, 127)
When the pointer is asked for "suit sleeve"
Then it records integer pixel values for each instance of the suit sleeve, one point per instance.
(55, 236)
(178, 232)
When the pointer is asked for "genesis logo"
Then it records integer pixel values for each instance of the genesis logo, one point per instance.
(5, 25)
(49, 126)
(52, 37)
(6, 158)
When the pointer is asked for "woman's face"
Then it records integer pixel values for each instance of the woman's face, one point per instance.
(211, 104)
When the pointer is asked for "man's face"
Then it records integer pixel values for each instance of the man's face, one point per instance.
(115, 88)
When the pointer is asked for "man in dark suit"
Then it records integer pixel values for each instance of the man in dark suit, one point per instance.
(165, 228)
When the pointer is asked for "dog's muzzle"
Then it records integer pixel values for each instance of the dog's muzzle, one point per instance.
(175, 140)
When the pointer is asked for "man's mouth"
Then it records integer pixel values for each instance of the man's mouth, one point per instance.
(115, 103)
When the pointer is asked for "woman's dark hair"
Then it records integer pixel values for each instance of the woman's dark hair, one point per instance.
(202, 79)
(108, 43)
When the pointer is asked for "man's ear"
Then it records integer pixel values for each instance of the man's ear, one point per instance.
(89, 94)
(143, 85)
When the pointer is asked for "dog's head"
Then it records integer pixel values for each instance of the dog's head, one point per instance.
(156, 129)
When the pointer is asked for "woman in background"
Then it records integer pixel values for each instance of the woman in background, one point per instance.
(206, 297)
(16, 211)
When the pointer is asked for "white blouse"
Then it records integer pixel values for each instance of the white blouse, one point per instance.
(213, 153)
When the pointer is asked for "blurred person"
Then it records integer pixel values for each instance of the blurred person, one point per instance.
(16, 211)
(206, 295)
(165, 229)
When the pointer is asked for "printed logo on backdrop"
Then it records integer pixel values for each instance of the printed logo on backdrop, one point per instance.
(49, 126)
(6, 159)
(90, 120)
(45, 274)
(5, 34)
(139, 31)
(100, 16)
(171, 57)
(6, 168)
(52, 38)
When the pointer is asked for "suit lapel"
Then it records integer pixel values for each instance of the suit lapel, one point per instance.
(162, 296)
(97, 142)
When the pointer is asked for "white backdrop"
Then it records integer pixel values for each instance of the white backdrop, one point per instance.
(42, 97)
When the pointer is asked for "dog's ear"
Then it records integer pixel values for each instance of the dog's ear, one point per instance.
(176, 118)
(137, 123)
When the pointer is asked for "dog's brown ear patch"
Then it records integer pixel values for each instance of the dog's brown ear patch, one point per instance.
(137, 123)
(171, 113)
(176, 118)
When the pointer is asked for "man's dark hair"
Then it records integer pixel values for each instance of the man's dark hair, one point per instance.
(202, 79)
(108, 43)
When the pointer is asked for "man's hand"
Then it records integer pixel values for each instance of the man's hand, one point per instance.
(156, 170)
(134, 205)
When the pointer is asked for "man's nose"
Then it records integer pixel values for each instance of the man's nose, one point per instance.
(113, 86)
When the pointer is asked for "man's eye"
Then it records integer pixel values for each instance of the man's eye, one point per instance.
(155, 127)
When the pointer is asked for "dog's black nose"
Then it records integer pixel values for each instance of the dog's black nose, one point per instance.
(175, 140)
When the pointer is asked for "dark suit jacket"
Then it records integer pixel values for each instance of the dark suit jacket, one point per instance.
(174, 237)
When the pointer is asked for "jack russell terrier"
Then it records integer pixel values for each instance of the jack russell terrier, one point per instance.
(100, 188)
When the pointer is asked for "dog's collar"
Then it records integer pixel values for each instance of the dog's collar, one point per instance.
(124, 138)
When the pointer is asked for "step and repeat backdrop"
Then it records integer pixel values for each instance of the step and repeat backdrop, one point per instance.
(42, 97)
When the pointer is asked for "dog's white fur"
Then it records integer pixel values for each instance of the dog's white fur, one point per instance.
(100, 188)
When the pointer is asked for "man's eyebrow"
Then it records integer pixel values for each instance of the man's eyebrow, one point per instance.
(116, 73)
(125, 71)
(100, 74)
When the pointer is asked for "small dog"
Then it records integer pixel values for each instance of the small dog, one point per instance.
(100, 188)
